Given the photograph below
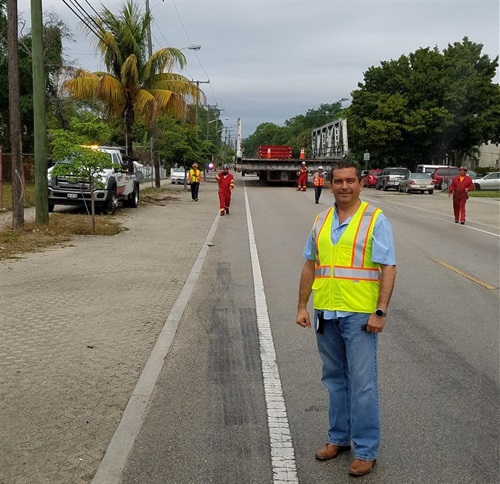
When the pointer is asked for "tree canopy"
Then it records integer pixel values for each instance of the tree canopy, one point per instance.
(134, 83)
(296, 131)
(426, 107)
(54, 30)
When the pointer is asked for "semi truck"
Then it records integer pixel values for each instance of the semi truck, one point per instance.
(275, 164)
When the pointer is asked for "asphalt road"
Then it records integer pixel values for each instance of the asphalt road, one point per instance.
(206, 421)
(181, 334)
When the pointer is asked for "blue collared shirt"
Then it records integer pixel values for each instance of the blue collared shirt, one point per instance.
(382, 247)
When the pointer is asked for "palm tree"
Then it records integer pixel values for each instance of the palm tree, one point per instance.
(134, 83)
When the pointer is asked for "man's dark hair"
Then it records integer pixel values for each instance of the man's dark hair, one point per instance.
(345, 163)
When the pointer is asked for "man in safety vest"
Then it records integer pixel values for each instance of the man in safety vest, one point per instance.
(194, 179)
(226, 185)
(302, 181)
(351, 266)
(318, 182)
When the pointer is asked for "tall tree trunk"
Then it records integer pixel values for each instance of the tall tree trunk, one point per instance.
(15, 118)
(156, 159)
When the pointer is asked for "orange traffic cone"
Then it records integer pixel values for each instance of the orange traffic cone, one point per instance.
(302, 154)
(268, 153)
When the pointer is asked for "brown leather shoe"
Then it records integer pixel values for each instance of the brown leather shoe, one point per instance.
(330, 451)
(361, 467)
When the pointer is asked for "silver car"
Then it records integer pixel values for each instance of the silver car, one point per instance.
(447, 179)
(491, 181)
(417, 182)
(178, 176)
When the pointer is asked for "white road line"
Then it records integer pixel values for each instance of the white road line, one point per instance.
(470, 228)
(282, 452)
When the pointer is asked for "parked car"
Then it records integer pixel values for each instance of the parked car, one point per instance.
(417, 182)
(178, 176)
(371, 178)
(491, 181)
(439, 173)
(447, 179)
(390, 177)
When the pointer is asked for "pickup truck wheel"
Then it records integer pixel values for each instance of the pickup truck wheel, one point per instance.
(384, 187)
(110, 205)
(377, 187)
(51, 207)
(133, 198)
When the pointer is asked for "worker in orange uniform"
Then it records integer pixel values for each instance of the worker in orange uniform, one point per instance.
(226, 184)
(302, 181)
(460, 185)
(194, 179)
(318, 182)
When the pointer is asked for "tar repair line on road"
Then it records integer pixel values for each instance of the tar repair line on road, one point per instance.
(282, 452)
(111, 467)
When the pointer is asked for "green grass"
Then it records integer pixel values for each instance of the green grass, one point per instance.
(485, 194)
(29, 195)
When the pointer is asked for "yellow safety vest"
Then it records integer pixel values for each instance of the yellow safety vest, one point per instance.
(346, 279)
(194, 175)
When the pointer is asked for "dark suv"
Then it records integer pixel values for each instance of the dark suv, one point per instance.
(439, 173)
(390, 178)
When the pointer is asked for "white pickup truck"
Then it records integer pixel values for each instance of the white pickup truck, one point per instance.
(116, 185)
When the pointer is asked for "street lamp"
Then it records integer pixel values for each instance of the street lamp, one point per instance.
(191, 47)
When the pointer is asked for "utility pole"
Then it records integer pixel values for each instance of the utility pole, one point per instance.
(215, 107)
(15, 117)
(155, 164)
(39, 114)
(197, 97)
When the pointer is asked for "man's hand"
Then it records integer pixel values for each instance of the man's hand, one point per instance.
(303, 318)
(449, 194)
(375, 324)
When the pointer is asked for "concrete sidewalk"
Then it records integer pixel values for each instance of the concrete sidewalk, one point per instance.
(78, 324)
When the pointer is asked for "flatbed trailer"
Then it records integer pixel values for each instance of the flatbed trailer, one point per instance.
(274, 165)
(281, 171)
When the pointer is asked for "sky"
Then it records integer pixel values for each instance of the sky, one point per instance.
(271, 60)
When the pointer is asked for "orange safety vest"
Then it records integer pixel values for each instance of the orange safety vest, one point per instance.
(319, 180)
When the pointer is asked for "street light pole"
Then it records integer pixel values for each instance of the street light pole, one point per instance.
(197, 97)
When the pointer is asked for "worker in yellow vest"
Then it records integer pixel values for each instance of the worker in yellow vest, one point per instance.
(194, 179)
(351, 266)
(318, 182)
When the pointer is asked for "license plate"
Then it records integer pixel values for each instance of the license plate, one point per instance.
(72, 195)
(422, 186)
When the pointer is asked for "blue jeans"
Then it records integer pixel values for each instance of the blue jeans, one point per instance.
(350, 374)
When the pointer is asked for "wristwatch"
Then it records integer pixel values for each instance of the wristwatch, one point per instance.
(380, 313)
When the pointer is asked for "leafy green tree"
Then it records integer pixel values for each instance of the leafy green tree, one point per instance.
(182, 144)
(79, 162)
(134, 84)
(426, 107)
(54, 30)
(94, 130)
